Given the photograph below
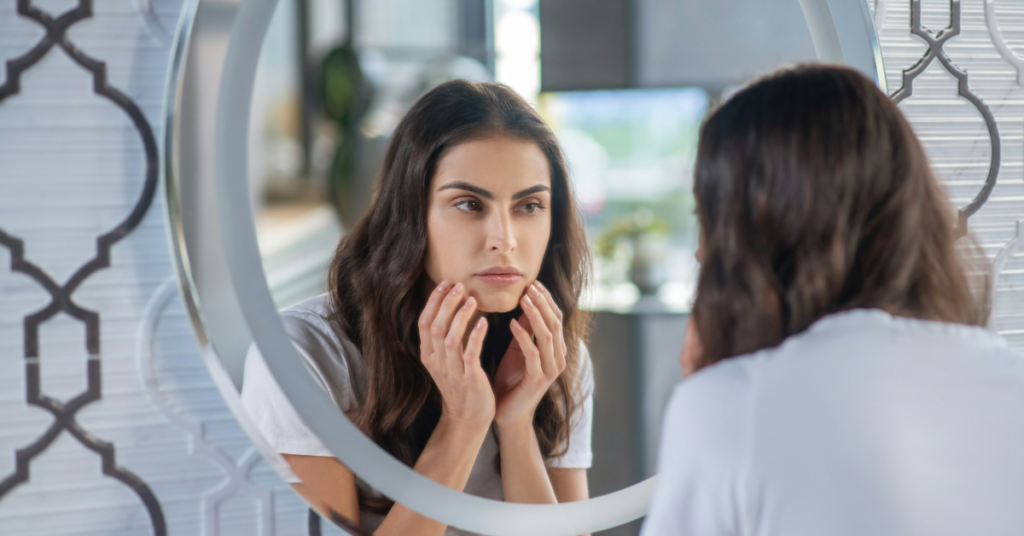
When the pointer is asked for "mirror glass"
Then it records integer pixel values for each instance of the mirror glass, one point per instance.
(623, 86)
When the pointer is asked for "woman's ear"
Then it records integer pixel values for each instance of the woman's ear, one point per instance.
(699, 254)
(692, 349)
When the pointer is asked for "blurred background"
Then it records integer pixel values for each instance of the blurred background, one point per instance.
(615, 81)
(335, 78)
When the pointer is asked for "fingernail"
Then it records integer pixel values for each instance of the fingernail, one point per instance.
(515, 325)
(540, 286)
(442, 286)
(480, 324)
(457, 289)
(528, 301)
(468, 304)
(533, 289)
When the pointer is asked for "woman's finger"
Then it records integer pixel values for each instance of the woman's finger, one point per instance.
(471, 356)
(554, 325)
(545, 339)
(549, 298)
(551, 319)
(427, 318)
(531, 355)
(524, 323)
(439, 327)
(453, 341)
(558, 313)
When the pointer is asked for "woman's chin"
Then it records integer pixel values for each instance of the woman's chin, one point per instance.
(496, 302)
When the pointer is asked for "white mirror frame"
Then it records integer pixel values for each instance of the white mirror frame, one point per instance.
(842, 32)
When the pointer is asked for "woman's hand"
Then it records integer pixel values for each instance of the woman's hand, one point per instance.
(467, 398)
(467, 406)
(529, 368)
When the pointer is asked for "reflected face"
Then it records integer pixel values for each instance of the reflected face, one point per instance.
(489, 219)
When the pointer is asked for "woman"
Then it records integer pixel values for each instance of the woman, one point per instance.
(451, 333)
(843, 384)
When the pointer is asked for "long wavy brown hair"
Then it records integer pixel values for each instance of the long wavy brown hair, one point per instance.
(378, 285)
(815, 196)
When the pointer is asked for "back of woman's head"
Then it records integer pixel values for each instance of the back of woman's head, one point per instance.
(814, 197)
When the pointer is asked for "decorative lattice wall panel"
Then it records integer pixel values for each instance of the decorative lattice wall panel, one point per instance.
(109, 423)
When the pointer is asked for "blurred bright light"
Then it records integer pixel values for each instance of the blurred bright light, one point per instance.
(522, 75)
(519, 4)
(517, 47)
(518, 34)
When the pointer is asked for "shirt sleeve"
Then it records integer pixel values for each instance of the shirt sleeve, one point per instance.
(272, 414)
(332, 366)
(701, 456)
(578, 454)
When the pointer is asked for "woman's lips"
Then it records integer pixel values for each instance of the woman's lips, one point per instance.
(499, 279)
(500, 276)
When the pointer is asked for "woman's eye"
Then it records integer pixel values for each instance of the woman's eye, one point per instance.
(469, 205)
(531, 208)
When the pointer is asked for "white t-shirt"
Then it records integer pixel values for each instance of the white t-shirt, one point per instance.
(865, 424)
(337, 365)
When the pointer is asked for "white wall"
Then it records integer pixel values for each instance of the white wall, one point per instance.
(73, 166)
(954, 131)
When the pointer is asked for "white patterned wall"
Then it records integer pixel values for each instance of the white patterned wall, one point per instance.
(954, 131)
(73, 167)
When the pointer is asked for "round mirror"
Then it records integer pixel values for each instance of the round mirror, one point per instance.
(282, 116)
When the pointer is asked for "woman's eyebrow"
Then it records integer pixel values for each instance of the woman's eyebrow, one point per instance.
(460, 185)
(532, 190)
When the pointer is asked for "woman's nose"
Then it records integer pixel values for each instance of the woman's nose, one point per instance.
(500, 235)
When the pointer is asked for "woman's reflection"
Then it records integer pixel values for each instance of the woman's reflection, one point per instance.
(451, 333)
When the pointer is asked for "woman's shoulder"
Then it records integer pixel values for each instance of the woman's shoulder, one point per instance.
(869, 335)
(311, 323)
(708, 417)
(855, 322)
(330, 355)
(311, 315)
(724, 381)
(863, 345)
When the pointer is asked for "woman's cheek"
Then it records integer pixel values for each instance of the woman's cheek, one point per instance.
(439, 250)
(538, 240)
